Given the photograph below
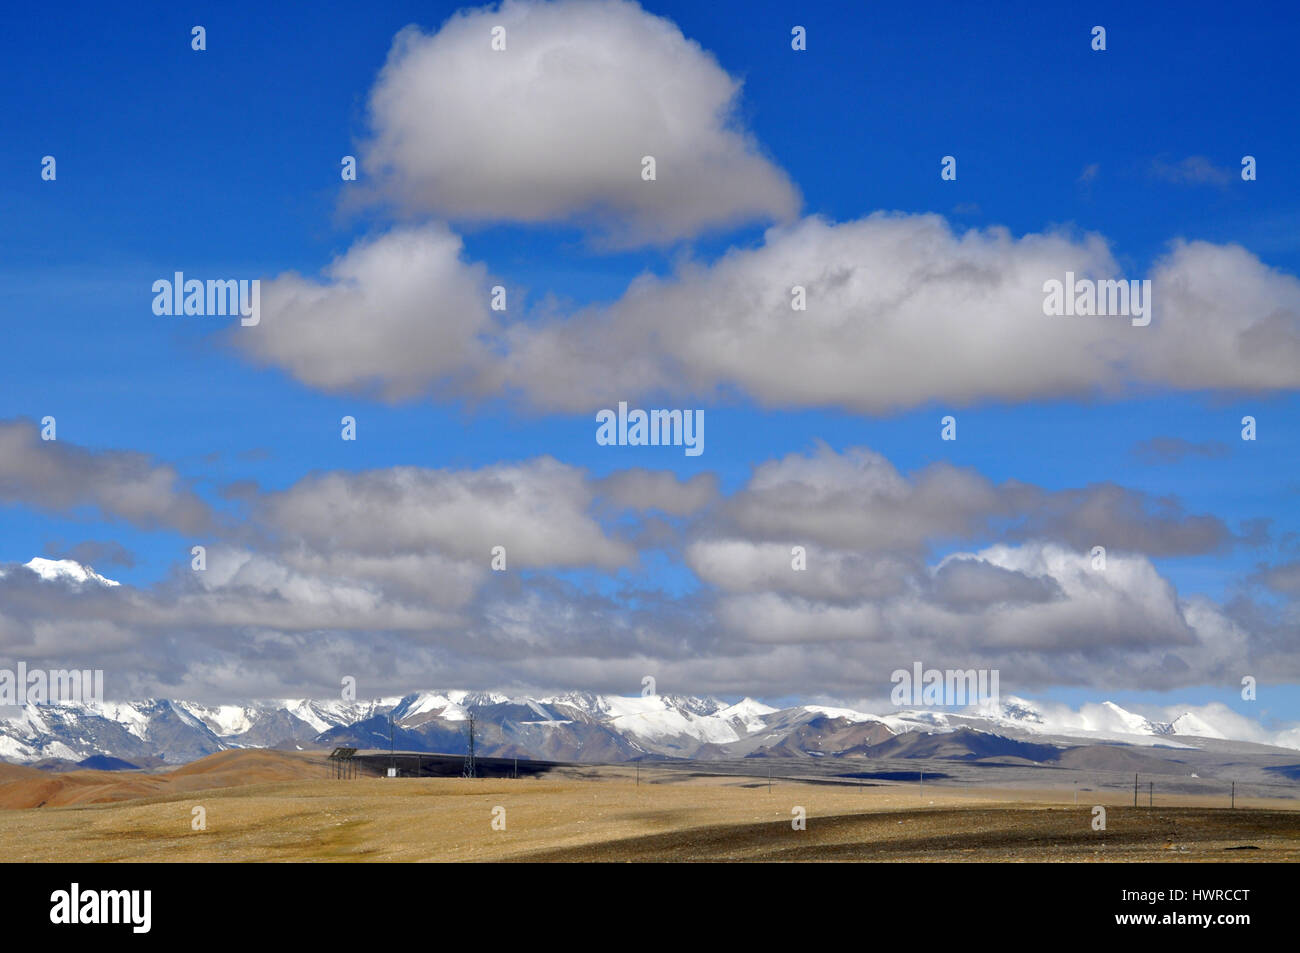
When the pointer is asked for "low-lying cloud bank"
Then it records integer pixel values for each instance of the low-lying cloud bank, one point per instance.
(822, 574)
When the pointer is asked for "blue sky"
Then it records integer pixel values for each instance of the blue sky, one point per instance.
(225, 162)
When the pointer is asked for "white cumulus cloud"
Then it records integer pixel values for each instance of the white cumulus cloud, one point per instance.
(555, 126)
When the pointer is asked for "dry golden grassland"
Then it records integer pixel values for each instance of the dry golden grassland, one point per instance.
(272, 806)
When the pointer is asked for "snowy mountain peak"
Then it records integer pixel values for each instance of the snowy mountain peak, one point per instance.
(1129, 722)
(747, 707)
(429, 703)
(1018, 710)
(67, 570)
(1193, 725)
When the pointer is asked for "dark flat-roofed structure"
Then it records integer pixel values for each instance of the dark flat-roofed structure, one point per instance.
(430, 764)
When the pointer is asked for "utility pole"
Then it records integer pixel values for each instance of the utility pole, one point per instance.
(392, 750)
(1135, 790)
(1234, 795)
(1151, 794)
(471, 769)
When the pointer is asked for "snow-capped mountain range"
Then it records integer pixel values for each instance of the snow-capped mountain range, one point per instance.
(576, 726)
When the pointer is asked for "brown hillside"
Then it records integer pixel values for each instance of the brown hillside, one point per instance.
(23, 787)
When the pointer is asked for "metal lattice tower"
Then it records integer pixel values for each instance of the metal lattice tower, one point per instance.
(471, 769)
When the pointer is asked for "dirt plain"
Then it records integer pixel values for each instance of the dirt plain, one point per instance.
(274, 806)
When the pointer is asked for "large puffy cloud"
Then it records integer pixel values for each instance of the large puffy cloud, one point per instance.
(536, 510)
(1038, 606)
(1037, 596)
(555, 126)
(1126, 603)
(858, 500)
(62, 477)
(1038, 612)
(1225, 320)
(399, 314)
(903, 311)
